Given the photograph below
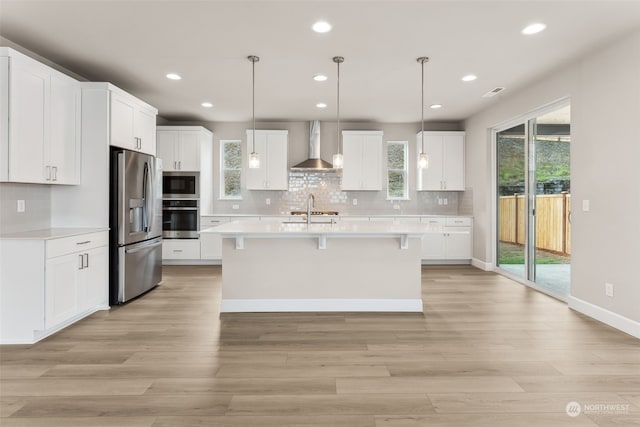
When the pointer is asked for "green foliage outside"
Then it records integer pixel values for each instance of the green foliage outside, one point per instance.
(552, 161)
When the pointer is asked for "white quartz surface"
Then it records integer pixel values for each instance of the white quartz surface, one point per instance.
(275, 229)
(50, 233)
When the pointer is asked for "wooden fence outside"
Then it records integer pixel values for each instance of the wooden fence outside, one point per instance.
(553, 226)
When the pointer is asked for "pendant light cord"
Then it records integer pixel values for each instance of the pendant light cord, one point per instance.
(338, 60)
(422, 60)
(253, 59)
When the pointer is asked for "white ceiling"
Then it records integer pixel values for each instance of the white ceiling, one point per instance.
(134, 44)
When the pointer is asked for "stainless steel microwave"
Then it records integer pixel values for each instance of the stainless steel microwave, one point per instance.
(181, 185)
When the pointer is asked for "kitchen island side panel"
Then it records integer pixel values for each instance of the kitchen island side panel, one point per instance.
(357, 269)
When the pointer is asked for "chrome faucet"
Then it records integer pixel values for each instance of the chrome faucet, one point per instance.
(311, 202)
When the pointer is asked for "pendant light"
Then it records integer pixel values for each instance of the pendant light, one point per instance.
(423, 158)
(254, 158)
(338, 161)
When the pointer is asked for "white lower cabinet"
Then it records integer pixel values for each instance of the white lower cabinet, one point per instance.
(452, 243)
(211, 243)
(49, 283)
(180, 249)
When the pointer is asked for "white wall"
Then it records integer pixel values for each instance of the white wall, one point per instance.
(37, 214)
(604, 88)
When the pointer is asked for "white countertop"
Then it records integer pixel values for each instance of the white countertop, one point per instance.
(339, 229)
(234, 215)
(50, 233)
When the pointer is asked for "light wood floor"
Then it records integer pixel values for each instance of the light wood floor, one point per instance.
(486, 352)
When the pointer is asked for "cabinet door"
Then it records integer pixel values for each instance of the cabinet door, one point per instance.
(189, 151)
(61, 288)
(94, 279)
(433, 246)
(28, 121)
(458, 246)
(430, 179)
(167, 145)
(352, 156)
(276, 162)
(62, 153)
(122, 119)
(181, 249)
(257, 178)
(144, 128)
(372, 162)
(453, 162)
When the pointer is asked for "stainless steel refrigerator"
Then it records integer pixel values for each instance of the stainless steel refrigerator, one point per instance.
(136, 224)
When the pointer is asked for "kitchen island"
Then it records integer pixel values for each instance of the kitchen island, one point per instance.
(328, 266)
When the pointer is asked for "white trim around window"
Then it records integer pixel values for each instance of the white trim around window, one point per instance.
(230, 172)
(393, 174)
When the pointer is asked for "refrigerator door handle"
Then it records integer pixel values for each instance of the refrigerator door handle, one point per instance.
(143, 247)
(145, 198)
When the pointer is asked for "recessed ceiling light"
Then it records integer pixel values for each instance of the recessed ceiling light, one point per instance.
(207, 104)
(321, 27)
(319, 77)
(469, 78)
(321, 105)
(435, 106)
(534, 28)
(173, 76)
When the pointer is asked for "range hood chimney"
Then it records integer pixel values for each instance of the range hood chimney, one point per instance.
(314, 162)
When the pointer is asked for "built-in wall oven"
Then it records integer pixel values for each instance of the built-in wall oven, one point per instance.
(180, 218)
(181, 185)
(180, 205)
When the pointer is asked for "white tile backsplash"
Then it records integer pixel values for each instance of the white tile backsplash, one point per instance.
(37, 214)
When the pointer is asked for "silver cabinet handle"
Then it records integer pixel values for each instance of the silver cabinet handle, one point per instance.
(177, 250)
(81, 258)
(54, 169)
(86, 262)
(180, 164)
(48, 173)
(83, 243)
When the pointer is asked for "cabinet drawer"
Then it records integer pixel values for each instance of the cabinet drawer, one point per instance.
(181, 249)
(434, 221)
(212, 221)
(458, 222)
(82, 242)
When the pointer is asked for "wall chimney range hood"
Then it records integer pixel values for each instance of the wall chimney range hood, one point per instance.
(314, 163)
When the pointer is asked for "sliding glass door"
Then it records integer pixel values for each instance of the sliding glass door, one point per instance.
(534, 200)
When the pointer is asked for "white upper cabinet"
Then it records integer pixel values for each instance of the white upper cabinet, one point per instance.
(446, 161)
(273, 173)
(362, 154)
(180, 149)
(133, 122)
(40, 117)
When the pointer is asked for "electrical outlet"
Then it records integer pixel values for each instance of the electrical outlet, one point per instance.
(235, 207)
(585, 206)
(267, 201)
(608, 289)
(355, 202)
(446, 201)
(396, 206)
(20, 206)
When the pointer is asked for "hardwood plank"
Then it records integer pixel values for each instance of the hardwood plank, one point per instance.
(302, 372)
(124, 406)
(485, 420)
(239, 386)
(515, 402)
(331, 405)
(471, 368)
(555, 384)
(431, 384)
(597, 368)
(80, 422)
(74, 387)
(268, 420)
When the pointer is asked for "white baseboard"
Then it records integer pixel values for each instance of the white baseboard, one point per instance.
(191, 262)
(486, 266)
(610, 318)
(328, 304)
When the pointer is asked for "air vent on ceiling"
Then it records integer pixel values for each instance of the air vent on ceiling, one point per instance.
(493, 92)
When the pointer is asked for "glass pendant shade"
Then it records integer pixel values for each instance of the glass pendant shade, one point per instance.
(254, 160)
(337, 161)
(423, 161)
